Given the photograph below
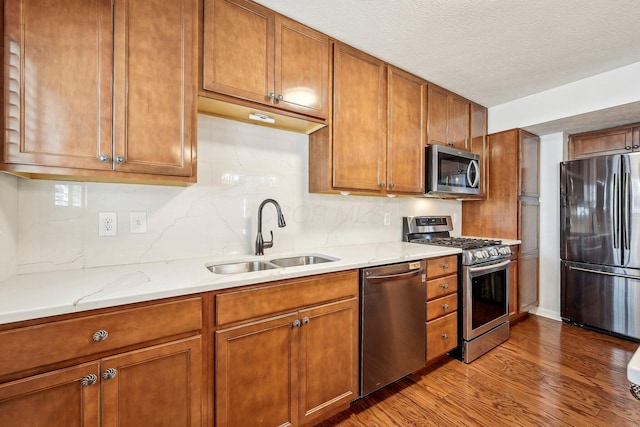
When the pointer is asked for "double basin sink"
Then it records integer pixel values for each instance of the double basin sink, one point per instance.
(249, 266)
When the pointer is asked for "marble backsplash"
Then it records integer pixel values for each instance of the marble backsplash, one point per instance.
(239, 165)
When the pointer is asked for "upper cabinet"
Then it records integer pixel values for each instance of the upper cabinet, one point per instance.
(100, 92)
(478, 143)
(619, 140)
(375, 142)
(447, 118)
(253, 54)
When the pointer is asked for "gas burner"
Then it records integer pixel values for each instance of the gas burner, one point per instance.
(459, 242)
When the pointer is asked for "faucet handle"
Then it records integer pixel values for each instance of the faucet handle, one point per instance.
(268, 243)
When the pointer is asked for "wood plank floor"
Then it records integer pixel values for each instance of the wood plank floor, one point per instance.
(547, 374)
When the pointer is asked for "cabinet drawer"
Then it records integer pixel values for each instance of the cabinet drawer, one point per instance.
(442, 335)
(437, 288)
(441, 306)
(285, 296)
(442, 266)
(39, 345)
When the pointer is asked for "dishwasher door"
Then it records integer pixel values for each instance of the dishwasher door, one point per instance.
(392, 323)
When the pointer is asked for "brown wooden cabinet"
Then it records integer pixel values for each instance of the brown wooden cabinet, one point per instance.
(511, 209)
(375, 142)
(442, 306)
(160, 383)
(289, 355)
(478, 143)
(117, 102)
(513, 283)
(447, 118)
(254, 54)
(618, 140)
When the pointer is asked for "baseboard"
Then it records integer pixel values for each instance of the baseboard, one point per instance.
(549, 314)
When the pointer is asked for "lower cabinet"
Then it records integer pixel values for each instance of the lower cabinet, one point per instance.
(158, 386)
(442, 306)
(293, 368)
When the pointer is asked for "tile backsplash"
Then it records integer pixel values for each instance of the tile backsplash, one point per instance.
(239, 165)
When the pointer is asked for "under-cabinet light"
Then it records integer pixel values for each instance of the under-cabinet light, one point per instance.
(262, 118)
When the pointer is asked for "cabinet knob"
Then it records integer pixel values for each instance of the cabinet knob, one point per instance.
(90, 379)
(296, 323)
(451, 143)
(635, 147)
(109, 374)
(272, 96)
(445, 306)
(103, 158)
(628, 147)
(445, 266)
(280, 98)
(445, 336)
(382, 184)
(119, 159)
(100, 335)
(305, 320)
(445, 286)
(391, 185)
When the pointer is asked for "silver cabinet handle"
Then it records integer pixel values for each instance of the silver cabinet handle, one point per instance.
(382, 184)
(445, 336)
(103, 158)
(109, 374)
(271, 96)
(305, 320)
(391, 185)
(119, 159)
(280, 98)
(445, 286)
(628, 147)
(100, 335)
(90, 379)
(445, 266)
(296, 323)
(635, 147)
(445, 306)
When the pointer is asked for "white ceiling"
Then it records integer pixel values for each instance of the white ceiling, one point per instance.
(490, 51)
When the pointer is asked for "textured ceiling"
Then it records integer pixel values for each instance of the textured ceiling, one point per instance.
(490, 51)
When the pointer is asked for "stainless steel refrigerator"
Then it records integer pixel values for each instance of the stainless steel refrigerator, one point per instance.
(600, 243)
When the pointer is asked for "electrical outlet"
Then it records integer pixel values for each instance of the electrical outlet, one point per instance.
(387, 218)
(107, 224)
(138, 222)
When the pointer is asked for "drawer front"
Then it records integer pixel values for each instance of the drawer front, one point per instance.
(442, 335)
(54, 342)
(285, 296)
(437, 288)
(442, 306)
(442, 266)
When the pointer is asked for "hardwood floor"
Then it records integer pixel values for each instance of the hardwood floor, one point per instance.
(547, 374)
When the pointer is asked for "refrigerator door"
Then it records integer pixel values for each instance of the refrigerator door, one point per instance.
(630, 209)
(600, 297)
(590, 226)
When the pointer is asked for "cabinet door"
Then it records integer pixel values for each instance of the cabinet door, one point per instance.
(255, 381)
(359, 122)
(238, 54)
(405, 133)
(437, 113)
(513, 288)
(529, 225)
(610, 141)
(528, 282)
(458, 122)
(155, 386)
(301, 68)
(57, 80)
(54, 399)
(155, 108)
(478, 143)
(328, 358)
(529, 164)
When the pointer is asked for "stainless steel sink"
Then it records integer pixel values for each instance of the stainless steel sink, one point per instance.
(295, 261)
(240, 267)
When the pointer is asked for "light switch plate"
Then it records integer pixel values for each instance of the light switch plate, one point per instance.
(138, 222)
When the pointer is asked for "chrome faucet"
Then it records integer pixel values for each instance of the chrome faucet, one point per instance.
(260, 243)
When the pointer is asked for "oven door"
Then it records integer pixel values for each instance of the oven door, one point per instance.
(485, 297)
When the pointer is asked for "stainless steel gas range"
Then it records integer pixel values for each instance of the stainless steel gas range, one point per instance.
(484, 283)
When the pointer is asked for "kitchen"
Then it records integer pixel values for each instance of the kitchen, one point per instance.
(51, 225)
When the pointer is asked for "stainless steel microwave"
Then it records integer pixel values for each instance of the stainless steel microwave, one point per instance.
(450, 172)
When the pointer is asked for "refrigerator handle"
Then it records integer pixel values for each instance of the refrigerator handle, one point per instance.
(626, 213)
(616, 212)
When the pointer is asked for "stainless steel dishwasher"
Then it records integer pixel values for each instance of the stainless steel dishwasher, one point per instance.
(392, 323)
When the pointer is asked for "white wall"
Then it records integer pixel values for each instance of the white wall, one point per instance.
(239, 165)
(8, 225)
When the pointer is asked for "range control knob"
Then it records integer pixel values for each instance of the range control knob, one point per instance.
(485, 254)
(505, 250)
(493, 252)
(477, 255)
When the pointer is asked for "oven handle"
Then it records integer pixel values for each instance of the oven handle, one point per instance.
(397, 276)
(473, 269)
